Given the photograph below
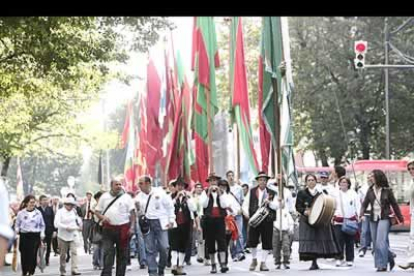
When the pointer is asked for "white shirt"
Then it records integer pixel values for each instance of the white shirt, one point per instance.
(350, 202)
(160, 207)
(224, 200)
(287, 197)
(67, 219)
(237, 191)
(329, 188)
(234, 206)
(287, 221)
(119, 213)
(5, 229)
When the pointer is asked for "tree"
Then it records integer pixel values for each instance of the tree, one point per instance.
(52, 68)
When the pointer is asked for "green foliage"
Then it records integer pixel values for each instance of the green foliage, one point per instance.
(52, 69)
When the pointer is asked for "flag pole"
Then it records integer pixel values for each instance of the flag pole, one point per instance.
(209, 134)
(238, 151)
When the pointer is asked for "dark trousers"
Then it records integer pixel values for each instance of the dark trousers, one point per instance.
(29, 244)
(111, 238)
(48, 240)
(228, 239)
(346, 243)
(215, 232)
(55, 245)
(264, 232)
(86, 234)
(180, 237)
(190, 245)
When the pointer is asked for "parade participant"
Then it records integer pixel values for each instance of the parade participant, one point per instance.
(171, 191)
(55, 206)
(381, 198)
(116, 211)
(410, 263)
(31, 228)
(337, 173)
(245, 188)
(6, 233)
(183, 209)
(140, 245)
(198, 233)
(347, 207)
(97, 257)
(69, 224)
(215, 202)
(324, 185)
(232, 231)
(365, 229)
(314, 242)
(283, 225)
(237, 249)
(259, 196)
(158, 208)
(87, 222)
(49, 218)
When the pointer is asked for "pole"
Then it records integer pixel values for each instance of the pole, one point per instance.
(238, 152)
(209, 134)
(387, 110)
(105, 186)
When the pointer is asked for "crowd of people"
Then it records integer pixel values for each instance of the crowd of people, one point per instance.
(164, 227)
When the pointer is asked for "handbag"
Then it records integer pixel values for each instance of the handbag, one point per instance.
(393, 218)
(349, 227)
(96, 236)
(143, 221)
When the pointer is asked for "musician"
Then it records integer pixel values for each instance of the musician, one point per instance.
(314, 241)
(260, 196)
(184, 208)
(215, 202)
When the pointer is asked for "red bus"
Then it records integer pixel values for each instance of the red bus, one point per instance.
(398, 177)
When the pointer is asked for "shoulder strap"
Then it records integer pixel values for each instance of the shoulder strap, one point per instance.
(146, 207)
(110, 204)
(235, 198)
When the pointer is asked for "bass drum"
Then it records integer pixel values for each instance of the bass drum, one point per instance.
(322, 210)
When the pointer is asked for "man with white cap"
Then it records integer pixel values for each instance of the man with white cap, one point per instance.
(68, 224)
(410, 263)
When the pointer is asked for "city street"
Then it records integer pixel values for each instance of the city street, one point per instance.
(365, 265)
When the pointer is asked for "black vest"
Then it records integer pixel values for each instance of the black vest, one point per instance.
(207, 211)
(183, 205)
(254, 201)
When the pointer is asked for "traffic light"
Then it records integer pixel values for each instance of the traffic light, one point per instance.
(360, 49)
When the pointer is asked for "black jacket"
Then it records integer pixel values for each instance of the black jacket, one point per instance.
(387, 200)
(49, 218)
(304, 200)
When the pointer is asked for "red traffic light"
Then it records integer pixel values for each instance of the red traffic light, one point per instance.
(360, 46)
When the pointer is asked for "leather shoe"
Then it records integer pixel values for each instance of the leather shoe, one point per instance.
(407, 266)
(213, 269)
(76, 273)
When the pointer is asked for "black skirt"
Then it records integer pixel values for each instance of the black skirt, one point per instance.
(316, 242)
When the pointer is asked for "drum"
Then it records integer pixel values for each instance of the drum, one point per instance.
(322, 210)
(259, 216)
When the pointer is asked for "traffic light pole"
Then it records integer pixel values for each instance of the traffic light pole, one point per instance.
(387, 66)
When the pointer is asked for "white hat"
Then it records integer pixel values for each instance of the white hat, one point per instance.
(70, 200)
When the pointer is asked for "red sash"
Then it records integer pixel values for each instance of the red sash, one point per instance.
(215, 212)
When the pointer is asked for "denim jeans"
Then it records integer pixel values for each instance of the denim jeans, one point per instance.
(97, 259)
(142, 255)
(379, 232)
(365, 233)
(156, 241)
(237, 248)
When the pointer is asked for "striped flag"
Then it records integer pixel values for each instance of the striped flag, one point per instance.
(240, 97)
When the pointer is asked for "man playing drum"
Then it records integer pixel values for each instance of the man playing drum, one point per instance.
(259, 196)
(315, 241)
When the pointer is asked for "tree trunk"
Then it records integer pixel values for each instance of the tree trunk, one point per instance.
(5, 166)
(324, 158)
(364, 140)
